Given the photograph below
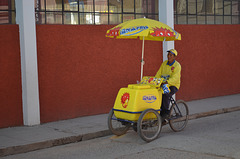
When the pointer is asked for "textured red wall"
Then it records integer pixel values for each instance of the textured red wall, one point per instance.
(81, 71)
(10, 81)
(210, 56)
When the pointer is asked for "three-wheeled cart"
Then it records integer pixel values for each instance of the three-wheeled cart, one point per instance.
(139, 105)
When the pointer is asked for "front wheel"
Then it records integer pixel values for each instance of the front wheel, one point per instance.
(178, 116)
(149, 125)
(117, 126)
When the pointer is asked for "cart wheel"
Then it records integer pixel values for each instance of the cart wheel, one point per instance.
(178, 116)
(117, 126)
(149, 125)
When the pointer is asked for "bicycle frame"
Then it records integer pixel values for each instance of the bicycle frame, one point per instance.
(174, 102)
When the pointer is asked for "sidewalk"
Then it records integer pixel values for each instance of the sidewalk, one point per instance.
(24, 139)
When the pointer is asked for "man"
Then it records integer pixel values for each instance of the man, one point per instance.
(170, 70)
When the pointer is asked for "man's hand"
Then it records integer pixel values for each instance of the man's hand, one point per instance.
(164, 83)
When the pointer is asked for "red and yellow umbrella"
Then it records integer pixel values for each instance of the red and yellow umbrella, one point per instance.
(144, 29)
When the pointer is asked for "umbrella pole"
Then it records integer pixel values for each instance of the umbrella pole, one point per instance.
(142, 61)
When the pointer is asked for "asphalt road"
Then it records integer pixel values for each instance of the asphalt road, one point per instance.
(214, 137)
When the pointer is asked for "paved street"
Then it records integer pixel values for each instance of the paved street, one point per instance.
(213, 137)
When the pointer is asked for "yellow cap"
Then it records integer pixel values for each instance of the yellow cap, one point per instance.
(173, 51)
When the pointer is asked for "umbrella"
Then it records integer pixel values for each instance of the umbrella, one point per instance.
(144, 29)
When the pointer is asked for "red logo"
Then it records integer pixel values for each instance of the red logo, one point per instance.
(125, 100)
(160, 32)
(114, 32)
(172, 69)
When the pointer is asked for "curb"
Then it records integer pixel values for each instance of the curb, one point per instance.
(13, 150)
(214, 112)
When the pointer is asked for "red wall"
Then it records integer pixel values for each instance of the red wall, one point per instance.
(10, 81)
(81, 71)
(210, 56)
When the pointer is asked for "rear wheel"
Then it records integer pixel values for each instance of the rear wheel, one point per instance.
(178, 116)
(117, 126)
(149, 125)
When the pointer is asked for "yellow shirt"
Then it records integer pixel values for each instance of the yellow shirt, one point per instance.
(170, 72)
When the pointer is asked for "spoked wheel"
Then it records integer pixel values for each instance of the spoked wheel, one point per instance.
(149, 125)
(178, 116)
(117, 126)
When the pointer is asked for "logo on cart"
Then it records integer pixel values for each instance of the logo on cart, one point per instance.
(125, 99)
(149, 98)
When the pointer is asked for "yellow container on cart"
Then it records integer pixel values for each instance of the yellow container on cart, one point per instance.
(136, 98)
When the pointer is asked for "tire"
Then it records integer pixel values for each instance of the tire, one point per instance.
(149, 125)
(117, 126)
(178, 116)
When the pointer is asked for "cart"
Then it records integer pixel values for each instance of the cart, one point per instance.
(139, 105)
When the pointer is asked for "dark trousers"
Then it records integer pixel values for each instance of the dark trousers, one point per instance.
(166, 101)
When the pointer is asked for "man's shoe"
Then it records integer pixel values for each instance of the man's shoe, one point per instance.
(165, 122)
(165, 116)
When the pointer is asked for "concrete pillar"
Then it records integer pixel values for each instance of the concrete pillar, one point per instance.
(25, 18)
(166, 15)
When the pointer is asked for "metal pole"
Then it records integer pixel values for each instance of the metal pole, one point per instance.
(142, 61)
